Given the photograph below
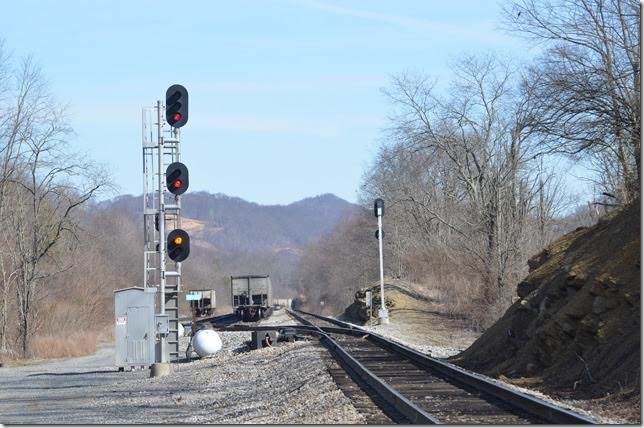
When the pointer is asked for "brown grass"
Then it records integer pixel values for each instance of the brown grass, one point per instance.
(74, 345)
(459, 289)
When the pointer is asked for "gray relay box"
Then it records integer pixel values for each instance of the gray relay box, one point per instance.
(134, 329)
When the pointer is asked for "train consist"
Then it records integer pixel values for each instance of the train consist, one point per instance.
(202, 302)
(252, 296)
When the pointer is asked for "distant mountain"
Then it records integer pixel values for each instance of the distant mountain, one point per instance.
(233, 224)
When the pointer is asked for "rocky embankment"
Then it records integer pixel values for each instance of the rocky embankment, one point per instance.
(575, 330)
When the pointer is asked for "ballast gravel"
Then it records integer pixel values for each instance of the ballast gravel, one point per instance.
(284, 384)
(436, 343)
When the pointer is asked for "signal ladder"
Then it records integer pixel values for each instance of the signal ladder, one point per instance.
(161, 212)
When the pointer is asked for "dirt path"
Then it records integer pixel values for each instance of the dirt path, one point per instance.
(416, 320)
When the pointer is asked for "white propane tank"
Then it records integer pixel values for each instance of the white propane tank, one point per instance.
(206, 343)
(182, 331)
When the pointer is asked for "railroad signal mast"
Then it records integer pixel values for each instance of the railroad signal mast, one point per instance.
(165, 179)
(379, 211)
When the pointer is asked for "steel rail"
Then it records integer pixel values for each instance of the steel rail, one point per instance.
(298, 327)
(404, 406)
(533, 405)
(226, 318)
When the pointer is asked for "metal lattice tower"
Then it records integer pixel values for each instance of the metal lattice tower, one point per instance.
(161, 148)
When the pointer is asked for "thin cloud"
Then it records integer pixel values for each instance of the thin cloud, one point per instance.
(407, 22)
(328, 126)
(265, 124)
(283, 85)
(401, 21)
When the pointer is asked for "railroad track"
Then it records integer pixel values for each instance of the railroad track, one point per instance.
(410, 387)
(215, 321)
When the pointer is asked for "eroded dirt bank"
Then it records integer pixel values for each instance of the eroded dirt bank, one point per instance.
(575, 330)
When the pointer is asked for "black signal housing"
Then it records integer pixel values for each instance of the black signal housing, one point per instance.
(176, 178)
(178, 244)
(176, 106)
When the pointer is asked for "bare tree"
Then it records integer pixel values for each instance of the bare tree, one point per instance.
(7, 116)
(18, 109)
(48, 187)
(459, 175)
(585, 88)
(473, 153)
(334, 267)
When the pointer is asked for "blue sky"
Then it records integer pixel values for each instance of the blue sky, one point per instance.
(285, 97)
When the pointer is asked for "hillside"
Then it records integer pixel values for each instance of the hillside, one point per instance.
(233, 224)
(231, 236)
(575, 330)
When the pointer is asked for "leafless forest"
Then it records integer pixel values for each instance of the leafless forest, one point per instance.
(471, 175)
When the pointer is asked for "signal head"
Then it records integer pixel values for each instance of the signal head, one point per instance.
(379, 207)
(176, 178)
(178, 245)
(176, 106)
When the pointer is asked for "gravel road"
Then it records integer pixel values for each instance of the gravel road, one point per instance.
(285, 384)
(61, 391)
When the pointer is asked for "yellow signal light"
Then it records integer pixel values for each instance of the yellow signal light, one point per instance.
(178, 240)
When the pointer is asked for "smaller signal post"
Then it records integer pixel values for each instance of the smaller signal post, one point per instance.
(379, 211)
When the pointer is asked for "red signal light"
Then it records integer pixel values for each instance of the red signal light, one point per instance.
(176, 106)
(176, 177)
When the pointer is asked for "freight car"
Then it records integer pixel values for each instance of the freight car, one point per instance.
(252, 296)
(202, 302)
(282, 303)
